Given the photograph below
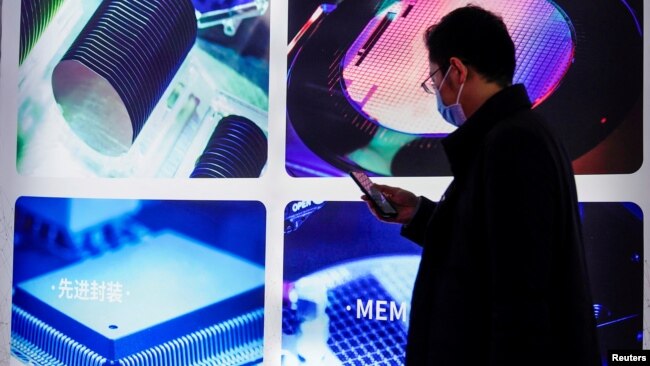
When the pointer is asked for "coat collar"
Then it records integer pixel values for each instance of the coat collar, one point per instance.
(463, 144)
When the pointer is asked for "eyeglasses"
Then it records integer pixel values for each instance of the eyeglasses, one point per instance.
(428, 85)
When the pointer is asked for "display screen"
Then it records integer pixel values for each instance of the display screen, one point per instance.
(120, 89)
(347, 291)
(122, 280)
(354, 99)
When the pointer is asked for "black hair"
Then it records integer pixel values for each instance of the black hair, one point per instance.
(479, 38)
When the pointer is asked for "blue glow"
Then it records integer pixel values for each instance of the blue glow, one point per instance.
(77, 215)
(207, 6)
(618, 320)
(634, 210)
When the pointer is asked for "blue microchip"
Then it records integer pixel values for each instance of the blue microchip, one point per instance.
(126, 302)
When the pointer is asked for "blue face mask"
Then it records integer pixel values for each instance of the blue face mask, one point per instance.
(451, 113)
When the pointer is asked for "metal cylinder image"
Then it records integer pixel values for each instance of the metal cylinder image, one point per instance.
(111, 78)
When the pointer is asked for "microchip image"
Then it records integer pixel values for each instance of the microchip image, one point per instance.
(165, 295)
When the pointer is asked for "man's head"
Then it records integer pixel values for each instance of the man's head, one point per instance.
(478, 38)
(471, 58)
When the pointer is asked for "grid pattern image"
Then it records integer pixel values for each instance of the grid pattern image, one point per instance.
(363, 341)
(397, 277)
(290, 321)
(544, 44)
(384, 68)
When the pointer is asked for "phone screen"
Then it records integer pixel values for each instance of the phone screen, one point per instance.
(383, 206)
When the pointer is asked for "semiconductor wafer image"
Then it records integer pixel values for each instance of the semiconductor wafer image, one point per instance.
(354, 100)
(126, 88)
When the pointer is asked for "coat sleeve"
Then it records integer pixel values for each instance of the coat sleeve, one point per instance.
(417, 228)
(521, 202)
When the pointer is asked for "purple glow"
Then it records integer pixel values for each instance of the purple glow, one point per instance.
(636, 20)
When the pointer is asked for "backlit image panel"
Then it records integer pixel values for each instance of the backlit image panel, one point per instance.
(138, 282)
(348, 280)
(354, 99)
(124, 88)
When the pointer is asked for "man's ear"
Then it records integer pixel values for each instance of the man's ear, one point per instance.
(461, 68)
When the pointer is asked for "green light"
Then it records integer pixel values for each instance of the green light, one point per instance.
(379, 153)
(35, 16)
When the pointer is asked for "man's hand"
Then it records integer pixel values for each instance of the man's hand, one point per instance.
(404, 202)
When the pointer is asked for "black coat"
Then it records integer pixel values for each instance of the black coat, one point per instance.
(503, 279)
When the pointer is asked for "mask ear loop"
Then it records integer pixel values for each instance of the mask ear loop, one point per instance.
(460, 91)
(443, 79)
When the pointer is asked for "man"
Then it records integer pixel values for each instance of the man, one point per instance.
(502, 280)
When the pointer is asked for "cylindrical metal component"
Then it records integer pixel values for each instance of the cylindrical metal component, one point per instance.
(236, 149)
(35, 15)
(117, 69)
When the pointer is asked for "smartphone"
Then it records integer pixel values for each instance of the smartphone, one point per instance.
(382, 205)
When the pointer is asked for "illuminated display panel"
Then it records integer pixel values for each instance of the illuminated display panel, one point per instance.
(138, 282)
(126, 89)
(354, 100)
(347, 302)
